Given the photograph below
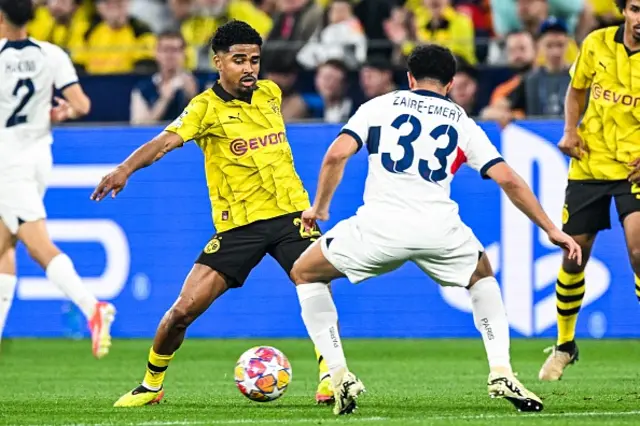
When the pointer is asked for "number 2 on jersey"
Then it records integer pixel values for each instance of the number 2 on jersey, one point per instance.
(406, 142)
(16, 118)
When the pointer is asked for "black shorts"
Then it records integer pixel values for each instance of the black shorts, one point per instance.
(588, 204)
(236, 252)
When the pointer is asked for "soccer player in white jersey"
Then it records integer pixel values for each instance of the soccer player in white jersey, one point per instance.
(416, 140)
(29, 70)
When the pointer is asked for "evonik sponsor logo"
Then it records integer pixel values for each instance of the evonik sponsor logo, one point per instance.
(521, 274)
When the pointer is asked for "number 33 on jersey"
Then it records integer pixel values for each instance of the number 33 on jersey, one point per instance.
(419, 137)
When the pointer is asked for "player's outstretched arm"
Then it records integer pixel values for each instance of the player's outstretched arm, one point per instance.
(331, 173)
(523, 198)
(144, 156)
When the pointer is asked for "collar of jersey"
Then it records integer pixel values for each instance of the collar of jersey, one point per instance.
(18, 44)
(619, 38)
(430, 94)
(226, 96)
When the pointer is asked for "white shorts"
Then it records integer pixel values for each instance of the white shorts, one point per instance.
(22, 188)
(349, 250)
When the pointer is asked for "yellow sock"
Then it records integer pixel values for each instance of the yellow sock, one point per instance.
(322, 365)
(156, 369)
(637, 287)
(569, 295)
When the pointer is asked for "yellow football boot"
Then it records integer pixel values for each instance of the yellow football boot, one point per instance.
(140, 397)
(324, 393)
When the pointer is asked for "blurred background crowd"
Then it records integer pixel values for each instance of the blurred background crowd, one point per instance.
(143, 60)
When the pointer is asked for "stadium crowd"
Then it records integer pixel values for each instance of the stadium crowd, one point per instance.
(349, 50)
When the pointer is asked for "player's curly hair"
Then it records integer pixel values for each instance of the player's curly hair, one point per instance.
(434, 62)
(18, 12)
(234, 32)
(622, 4)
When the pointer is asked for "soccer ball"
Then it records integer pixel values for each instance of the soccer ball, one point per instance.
(263, 373)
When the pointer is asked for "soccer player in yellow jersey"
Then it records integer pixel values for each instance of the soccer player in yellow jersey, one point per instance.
(256, 195)
(605, 164)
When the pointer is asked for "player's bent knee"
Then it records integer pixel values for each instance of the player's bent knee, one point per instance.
(634, 257)
(182, 315)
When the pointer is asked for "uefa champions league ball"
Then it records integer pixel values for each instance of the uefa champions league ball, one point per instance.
(263, 374)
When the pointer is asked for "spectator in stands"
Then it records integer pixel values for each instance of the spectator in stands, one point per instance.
(435, 22)
(293, 105)
(465, 87)
(372, 14)
(521, 54)
(294, 22)
(60, 22)
(116, 43)
(513, 15)
(331, 85)
(606, 13)
(163, 96)
(376, 77)
(343, 38)
(542, 90)
(180, 12)
(205, 19)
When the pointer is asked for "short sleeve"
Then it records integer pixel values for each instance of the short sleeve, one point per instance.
(189, 124)
(357, 127)
(64, 72)
(583, 70)
(480, 152)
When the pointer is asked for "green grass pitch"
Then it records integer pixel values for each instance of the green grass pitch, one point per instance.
(409, 382)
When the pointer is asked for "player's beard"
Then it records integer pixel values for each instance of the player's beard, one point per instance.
(242, 88)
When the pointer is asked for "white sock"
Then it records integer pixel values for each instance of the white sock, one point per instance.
(491, 321)
(62, 273)
(321, 319)
(7, 290)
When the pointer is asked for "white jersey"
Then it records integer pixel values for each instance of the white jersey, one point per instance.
(29, 70)
(417, 141)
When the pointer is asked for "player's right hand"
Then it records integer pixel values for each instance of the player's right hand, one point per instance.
(112, 183)
(311, 216)
(572, 144)
(564, 241)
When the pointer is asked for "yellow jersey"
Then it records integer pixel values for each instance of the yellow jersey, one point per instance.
(455, 32)
(247, 157)
(44, 27)
(197, 30)
(106, 50)
(611, 124)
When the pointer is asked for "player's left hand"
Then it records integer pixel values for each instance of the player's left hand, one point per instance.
(62, 111)
(564, 241)
(311, 216)
(112, 183)
(634, 175)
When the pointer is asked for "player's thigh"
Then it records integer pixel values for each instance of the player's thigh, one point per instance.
(312, 267)
(455, 263)
(201, 288)
(586, 207)
(35, 237)
(8, 260)
(235, 253)
(628, 207)
(5, 241)
(289, 240)
(351, 252)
